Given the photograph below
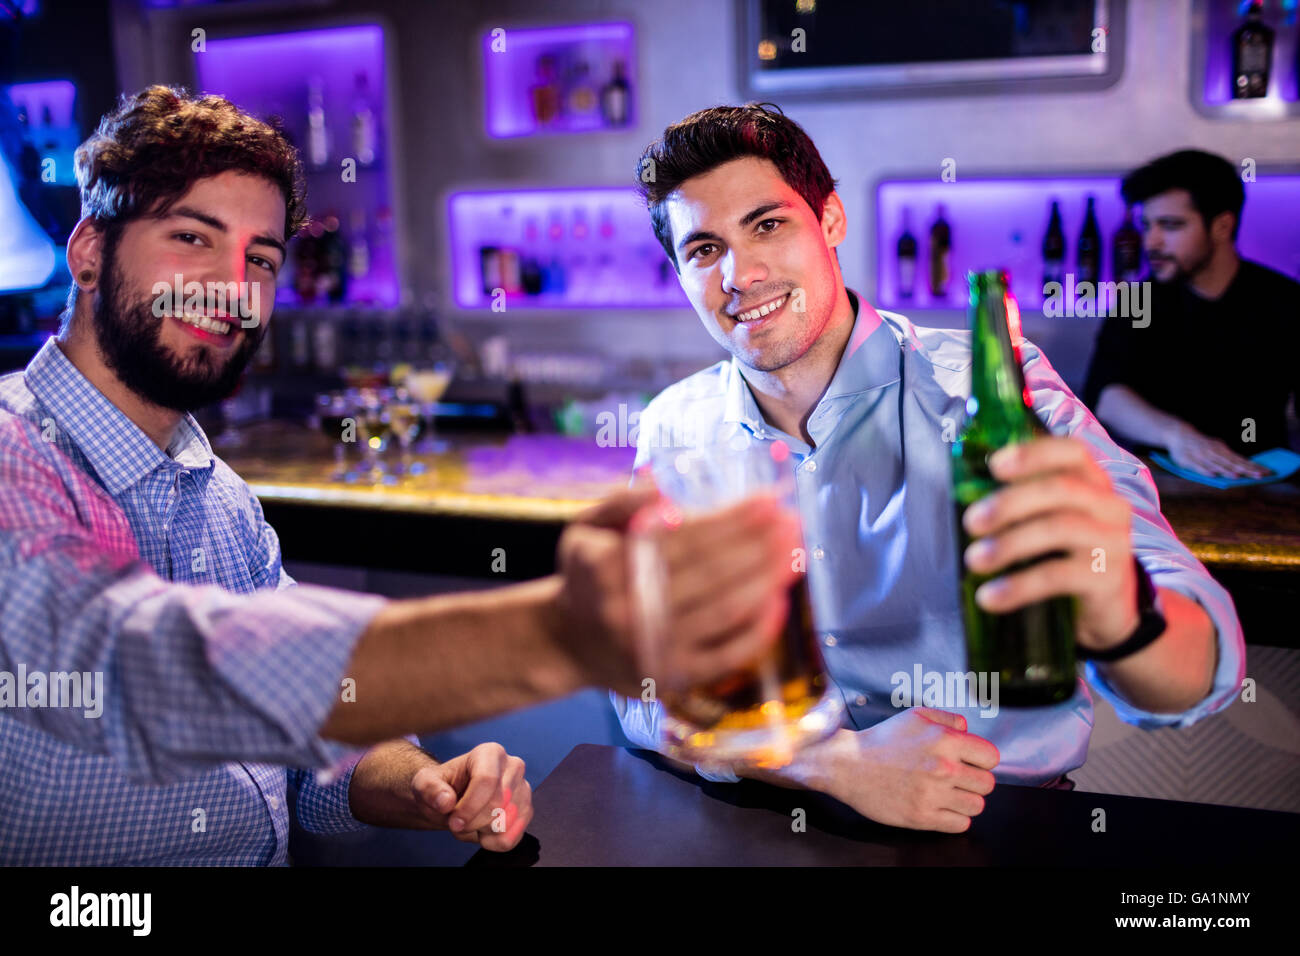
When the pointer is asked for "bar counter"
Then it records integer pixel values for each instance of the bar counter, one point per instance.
(609, 806)
(482, 493)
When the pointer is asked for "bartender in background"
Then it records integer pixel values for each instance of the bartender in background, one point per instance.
(1208, 379)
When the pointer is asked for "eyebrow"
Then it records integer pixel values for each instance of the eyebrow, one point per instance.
(190, 212)
(745, 220)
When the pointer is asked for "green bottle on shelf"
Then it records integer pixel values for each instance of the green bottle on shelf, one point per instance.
(1031, 649)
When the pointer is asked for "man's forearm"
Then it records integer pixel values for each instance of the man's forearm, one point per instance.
(1127, 412)
(427, 664)
(380, 791)
(1176, 671)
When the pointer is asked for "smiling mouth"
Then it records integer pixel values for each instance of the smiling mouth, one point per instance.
(208, 327)
(749, 315)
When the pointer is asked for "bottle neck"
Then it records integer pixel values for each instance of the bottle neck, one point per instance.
(997, 380)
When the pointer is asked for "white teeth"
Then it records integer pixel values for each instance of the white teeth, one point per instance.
(761, 310)
(203, 322)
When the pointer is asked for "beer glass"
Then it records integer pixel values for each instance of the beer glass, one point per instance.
(764, 713)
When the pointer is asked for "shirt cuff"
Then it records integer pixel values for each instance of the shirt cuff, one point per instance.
(640, 721)
(326, 807)
(718, 773)
(1229, 672)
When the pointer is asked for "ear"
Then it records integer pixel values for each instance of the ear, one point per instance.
(834, 224)
(1221, 227)
(86, 253)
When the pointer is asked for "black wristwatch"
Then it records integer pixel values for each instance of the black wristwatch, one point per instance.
(1151, 623)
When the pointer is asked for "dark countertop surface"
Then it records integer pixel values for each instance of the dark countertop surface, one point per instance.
(609, 806)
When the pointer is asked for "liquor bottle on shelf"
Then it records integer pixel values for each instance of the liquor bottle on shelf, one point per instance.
(1088, 256)
(1252, 55)
(940, 255)
(382, 253)
(306, 267)
(1126, 250)
(1054, 247)
(581, 100)
(1031, 649)
(530, 275)
(615, 96)
(332, 282)
(264, 357)
(580, 228)
(300, 342)
(906, 259)
(318, 138)
(363, 122)
(545, 93)
(324, 343)
(358, 245)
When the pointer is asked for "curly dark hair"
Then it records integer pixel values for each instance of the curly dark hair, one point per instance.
(706, 139)
(148, 152)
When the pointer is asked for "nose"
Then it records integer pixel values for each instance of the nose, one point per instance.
(740, 270)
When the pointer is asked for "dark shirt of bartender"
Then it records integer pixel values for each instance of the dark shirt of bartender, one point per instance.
(1209, 378)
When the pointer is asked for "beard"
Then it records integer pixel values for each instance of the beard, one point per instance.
(1183, 275)
(129, 336)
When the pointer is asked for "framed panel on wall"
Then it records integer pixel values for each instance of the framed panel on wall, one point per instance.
(795, 48)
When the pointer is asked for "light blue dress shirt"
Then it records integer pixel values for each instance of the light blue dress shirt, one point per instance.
(158, 572)
(879, 530)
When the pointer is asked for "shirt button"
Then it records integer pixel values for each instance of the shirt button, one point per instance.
(818, 553)
(861, 701)
(810, 466)
(274, 802)
(830, 640)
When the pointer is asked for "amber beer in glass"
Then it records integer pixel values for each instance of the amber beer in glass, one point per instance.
(762, 714)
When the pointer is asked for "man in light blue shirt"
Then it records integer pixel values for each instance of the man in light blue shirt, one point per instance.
(869, 405)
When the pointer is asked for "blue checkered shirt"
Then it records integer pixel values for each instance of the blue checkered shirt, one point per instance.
(159, 572)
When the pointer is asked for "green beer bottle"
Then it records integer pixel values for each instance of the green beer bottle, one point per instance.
(1031, 649)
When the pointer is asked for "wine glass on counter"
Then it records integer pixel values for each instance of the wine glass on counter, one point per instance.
(426, 386)
(330, 416)
(373, 428)
(404, 419)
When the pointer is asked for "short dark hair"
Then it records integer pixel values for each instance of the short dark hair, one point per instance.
(149, 151)
(705, 140)
(1211, 180)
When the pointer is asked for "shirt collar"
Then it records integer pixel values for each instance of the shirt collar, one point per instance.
(115, 447)
(870, 360)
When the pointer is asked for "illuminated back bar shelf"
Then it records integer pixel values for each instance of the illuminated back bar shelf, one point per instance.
(1210, 77)
(999, 223)
(557, 249)
(578, 78)
(277, 74)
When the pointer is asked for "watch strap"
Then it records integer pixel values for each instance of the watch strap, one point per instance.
(1151, 623)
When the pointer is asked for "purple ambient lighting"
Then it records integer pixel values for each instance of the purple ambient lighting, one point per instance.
(270, 75)
(536, 84)
(278, 60)
(1000, 224)
(558, 248)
